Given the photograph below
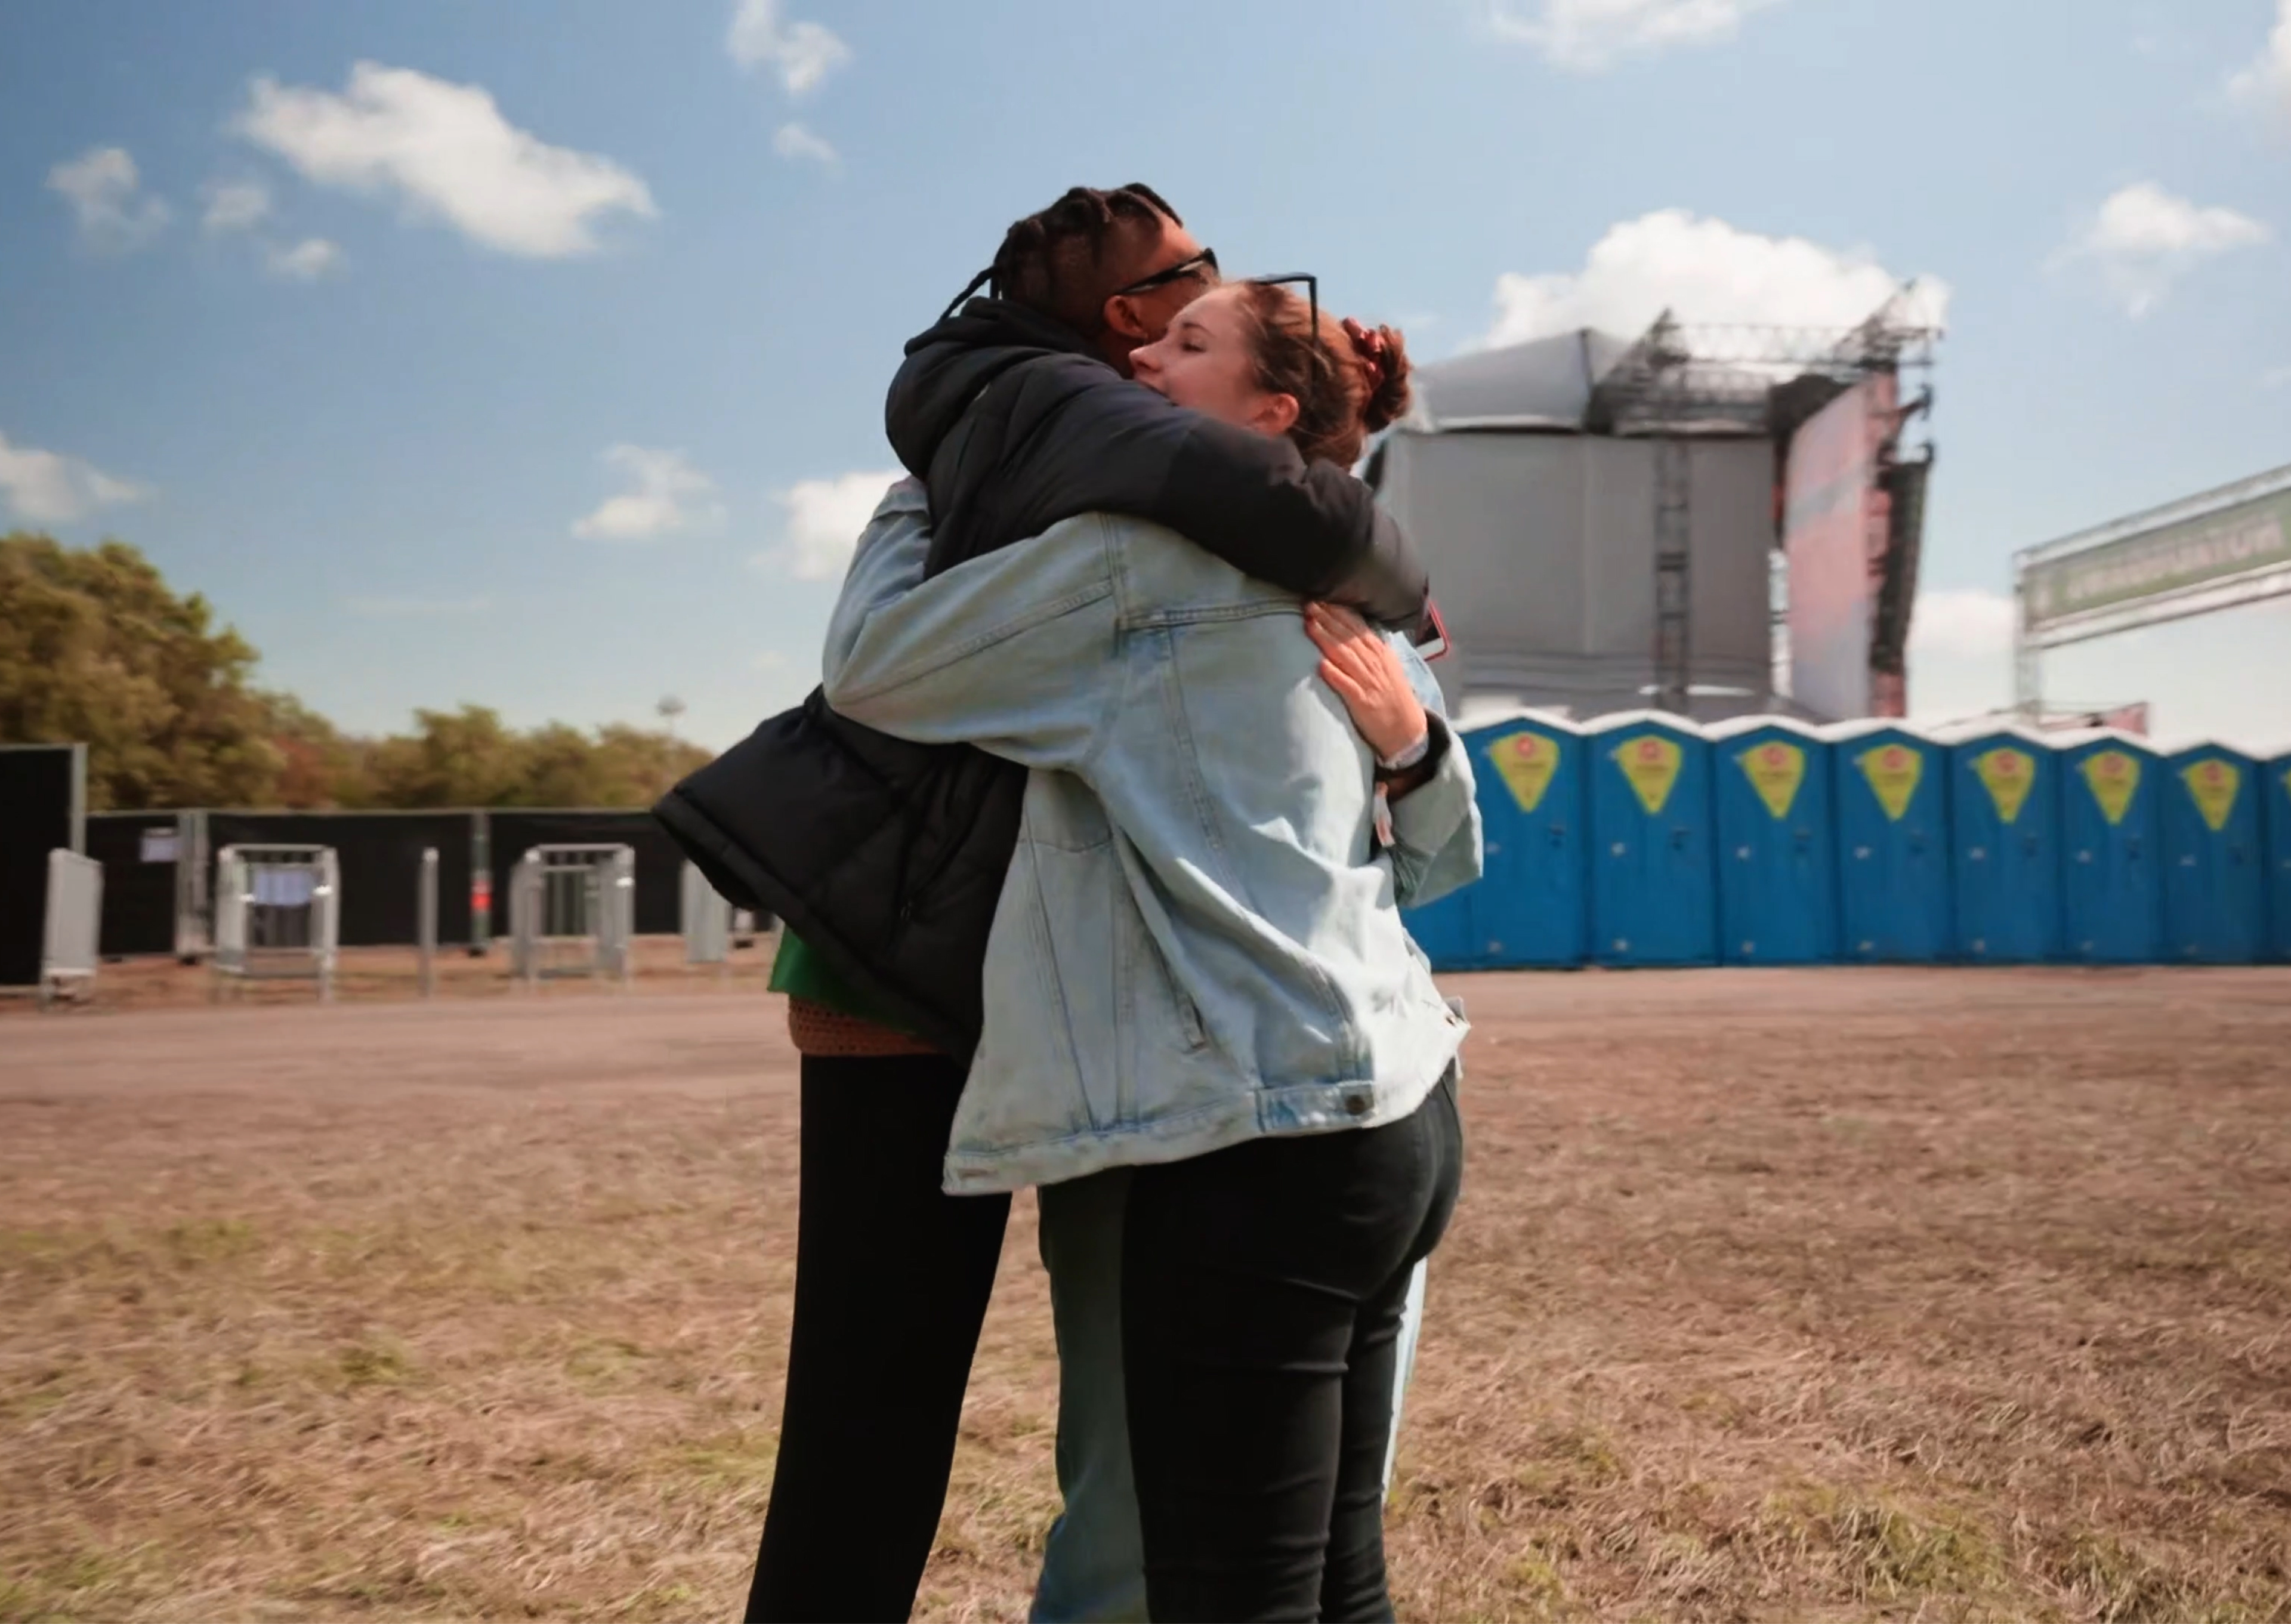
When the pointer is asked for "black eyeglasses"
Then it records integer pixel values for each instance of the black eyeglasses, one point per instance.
(1203, 261)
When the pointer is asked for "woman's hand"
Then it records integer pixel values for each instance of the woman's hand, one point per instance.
(1368, 676)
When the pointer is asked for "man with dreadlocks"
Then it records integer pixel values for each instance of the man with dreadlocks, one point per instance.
(886, 859)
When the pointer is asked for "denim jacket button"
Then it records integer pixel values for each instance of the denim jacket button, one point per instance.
(1357, 1104)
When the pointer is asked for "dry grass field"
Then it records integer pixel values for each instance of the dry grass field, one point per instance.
(1780, 1297)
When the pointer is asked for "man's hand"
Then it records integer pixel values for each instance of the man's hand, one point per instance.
(1367, 675)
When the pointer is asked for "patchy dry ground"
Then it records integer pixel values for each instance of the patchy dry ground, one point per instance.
(1780, 1297)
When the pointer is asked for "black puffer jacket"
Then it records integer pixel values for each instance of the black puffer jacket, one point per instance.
(887, 858)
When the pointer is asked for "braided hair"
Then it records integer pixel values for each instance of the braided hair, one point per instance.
(1057, 261)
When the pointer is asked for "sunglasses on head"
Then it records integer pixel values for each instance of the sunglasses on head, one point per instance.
(1312, 294)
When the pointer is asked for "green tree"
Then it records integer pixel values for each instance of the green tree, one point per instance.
(319, 765)
(95, 647)
(464, 757)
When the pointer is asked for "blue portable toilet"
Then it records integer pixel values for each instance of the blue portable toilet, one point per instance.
(1530, 907)
(2215, 857)
(1771, 800)
(2005, 844)
(2112, 875)
(1891, 782)
(2275, 800)
(1654, 894)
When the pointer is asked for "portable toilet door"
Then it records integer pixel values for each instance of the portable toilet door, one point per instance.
(2214, 863)
(1531, 907)
(1653, 886)
(1771, 802)
(2112, 885)
(2005, 845)
(2275, 799)
(1891, 787)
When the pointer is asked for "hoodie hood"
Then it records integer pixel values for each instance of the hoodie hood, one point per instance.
(949, 362)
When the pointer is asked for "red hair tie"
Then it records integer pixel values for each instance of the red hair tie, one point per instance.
(1370, 346)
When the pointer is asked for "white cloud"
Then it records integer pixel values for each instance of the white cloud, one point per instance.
(234, 205)
(1706, 271)
(305, 261)
(670, 495)
(46, 488)
(825, 517)
(802, 53)
(1961, 622)
(416, 608)
(2266, 84)
(794, 142)
(2143, 239)
(1587, 35)
(1960, 653)
(104, 189)
(446, 151)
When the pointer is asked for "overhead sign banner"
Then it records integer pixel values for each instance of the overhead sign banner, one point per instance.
(2250, 539)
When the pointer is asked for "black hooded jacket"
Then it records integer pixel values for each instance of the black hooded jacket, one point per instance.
(888, 858)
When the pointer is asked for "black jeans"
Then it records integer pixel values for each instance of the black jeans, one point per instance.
(1262, 1289)
(892, 1278)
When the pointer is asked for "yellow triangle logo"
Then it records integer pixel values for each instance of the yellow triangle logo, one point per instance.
(2214, 783)
(1526, 762)
(2009, 776)
(1650, 762)
(1775, 769)
(1894, 771)
(2115, 779)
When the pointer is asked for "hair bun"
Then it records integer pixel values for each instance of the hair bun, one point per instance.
(1383, 355)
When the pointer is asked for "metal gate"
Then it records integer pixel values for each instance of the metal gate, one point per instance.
(74, 920)
(572, 912)
(278, 915)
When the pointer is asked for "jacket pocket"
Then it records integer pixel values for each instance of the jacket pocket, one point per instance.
(1078, 909)
(1161, 1037)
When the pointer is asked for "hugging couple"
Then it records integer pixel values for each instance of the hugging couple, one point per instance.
(1090, 850)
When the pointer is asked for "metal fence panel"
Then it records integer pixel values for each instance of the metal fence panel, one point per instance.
(380, 853)
(74, 923)
(511, 832)
(573, 912)
(42, 798)
(707, 920)
(278, 915)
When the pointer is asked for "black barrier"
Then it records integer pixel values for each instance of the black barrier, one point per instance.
(660, 862)
(39, 810)
(137, 851)
(380, 857)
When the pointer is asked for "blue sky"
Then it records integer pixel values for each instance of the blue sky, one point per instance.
(530, 352)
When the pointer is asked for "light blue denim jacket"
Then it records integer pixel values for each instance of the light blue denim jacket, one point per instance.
(1199, 943)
